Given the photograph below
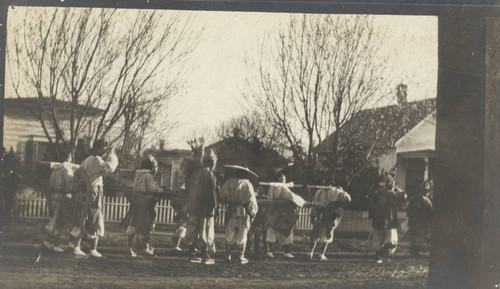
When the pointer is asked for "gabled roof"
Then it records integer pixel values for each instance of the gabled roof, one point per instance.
(384, 124)
(420, 138)
(64, 106)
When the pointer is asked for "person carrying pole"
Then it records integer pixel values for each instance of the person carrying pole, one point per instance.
(326, 216)
(59, 201)
(384, 215)
(419, 220)
(142, 210)
(92, 226)
(239, 194)
(202, 205)
(281, 217)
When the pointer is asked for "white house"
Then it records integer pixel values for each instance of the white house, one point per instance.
(24, 133)
(415, 155)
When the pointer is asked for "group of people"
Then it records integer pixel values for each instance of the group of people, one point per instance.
(384, 215)
(77, 202)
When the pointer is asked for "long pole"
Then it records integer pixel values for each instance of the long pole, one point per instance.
(3, 46)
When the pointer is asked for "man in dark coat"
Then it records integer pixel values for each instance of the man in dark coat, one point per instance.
(420, 216)
(201, 207)
(384, 215)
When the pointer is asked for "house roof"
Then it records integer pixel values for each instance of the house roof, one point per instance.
(384, 124)
(420, 138)
(32, 102)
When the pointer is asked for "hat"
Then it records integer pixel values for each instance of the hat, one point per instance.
(242, 170)
(98, 147)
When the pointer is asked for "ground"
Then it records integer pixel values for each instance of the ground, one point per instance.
(349, 266)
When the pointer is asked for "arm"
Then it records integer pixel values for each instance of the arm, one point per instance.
(253, 207)
(152, 185)
(111, 162)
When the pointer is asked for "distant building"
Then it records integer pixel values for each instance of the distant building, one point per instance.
(169, 173)
(415, 155)
(382, 127)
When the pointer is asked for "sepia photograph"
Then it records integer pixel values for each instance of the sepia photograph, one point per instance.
(250, 144)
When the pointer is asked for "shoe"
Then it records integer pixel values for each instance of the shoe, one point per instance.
(133, 254)
(380, 261)
(47, 245)
(194, 259)
(269, 255)
(149, 251)
(57, 249)
(288, 255)
(209, 261)
(71, 245)
(95, 254)
(228, 259)
(79, 253)
(322, 257)
(243, 261)
(178, 249)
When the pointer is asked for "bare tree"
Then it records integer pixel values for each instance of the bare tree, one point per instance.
(322, 71)
(255, 129)
(92, 75)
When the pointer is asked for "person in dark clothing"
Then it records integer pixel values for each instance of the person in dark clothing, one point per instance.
(420, 216)
(201, 207)
(384, 215)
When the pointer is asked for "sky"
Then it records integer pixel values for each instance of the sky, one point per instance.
(215, 72)
(217, 81)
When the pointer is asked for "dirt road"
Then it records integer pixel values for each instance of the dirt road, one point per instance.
(171, 270)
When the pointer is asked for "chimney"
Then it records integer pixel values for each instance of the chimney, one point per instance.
(402, 93)
(236, 132)
(162, 144)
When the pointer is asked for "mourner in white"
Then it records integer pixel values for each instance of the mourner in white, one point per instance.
(239, 194)
(281, 218)
(93, 224)
(325, 216)
(59, 200)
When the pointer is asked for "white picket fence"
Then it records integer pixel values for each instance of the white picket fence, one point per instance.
(115, 209)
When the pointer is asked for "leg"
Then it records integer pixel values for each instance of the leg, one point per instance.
(242, 237)
(192, 237)
(230, 236)
(287, 245)
(131, 243)
(243, 260)
(269, 250)
(228, 252)
(313, 246)
(92, 227)
(207, 235)
(76, 241)
(271, 238)
(377, 240)
(93, 248)
(147, 244)
(322, 257)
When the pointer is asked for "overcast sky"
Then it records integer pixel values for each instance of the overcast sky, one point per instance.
(215, 86)
(216, 70)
